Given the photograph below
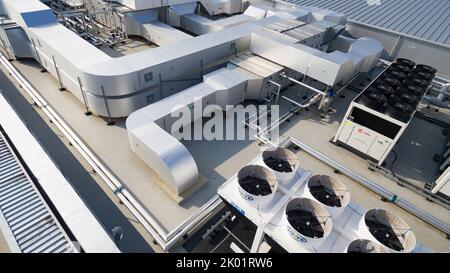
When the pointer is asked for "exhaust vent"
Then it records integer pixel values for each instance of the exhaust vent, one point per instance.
(257, 183)
(282, 162)
(374, 99)
(396, 74)
(329, 191)
(365, 246)
(308, 221)
(406, 62)
(388, 229)
(393, 82)
(400, 67)
(384, 89)
(399, 110)
(426, 68)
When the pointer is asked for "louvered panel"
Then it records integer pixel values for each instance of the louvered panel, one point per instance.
(33, 225)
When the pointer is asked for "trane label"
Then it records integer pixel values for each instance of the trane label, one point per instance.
(361, 131)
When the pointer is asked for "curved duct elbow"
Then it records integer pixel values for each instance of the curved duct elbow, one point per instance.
(172, 162)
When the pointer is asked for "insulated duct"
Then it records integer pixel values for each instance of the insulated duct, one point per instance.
(145, 24)
(150, 129)
(129, 82)
(329, 68)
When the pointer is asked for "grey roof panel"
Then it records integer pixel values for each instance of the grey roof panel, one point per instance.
(33, 225)
(429, 20)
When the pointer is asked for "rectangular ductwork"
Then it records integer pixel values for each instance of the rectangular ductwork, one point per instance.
(327, 68)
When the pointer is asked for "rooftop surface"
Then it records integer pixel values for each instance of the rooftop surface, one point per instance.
(103, 204)
(429, 20)
(3, 245)
(219, 160)
(33, 225)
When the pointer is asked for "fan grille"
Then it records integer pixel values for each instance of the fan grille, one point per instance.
(255, 186)
(306, 223)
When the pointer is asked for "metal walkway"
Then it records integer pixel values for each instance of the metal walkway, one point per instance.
(33, 225)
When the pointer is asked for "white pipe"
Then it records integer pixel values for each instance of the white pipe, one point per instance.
(303, 84)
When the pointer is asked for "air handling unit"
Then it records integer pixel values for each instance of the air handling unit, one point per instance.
(377, 118)
(308, 213)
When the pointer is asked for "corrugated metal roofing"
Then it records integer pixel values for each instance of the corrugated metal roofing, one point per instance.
(34, 227)
(429, 20)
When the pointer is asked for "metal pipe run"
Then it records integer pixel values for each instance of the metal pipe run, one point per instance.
(303, 104)
(277, 94)
(303, 84)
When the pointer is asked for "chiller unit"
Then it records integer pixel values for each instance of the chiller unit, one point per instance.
(377, 118)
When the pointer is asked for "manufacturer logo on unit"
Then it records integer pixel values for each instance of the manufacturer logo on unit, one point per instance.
(245, 195)
(296, 235)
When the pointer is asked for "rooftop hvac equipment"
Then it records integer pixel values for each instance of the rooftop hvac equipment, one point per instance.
(399, 110)
(426, 68)
(283, 163)
(257, 184)
(417, 82)
(308, 222)
(397, 74)
(392, 82)
(400, 67)
(406, 62)
(365, 246)
(330, 192)
(384, 89)
(388, 229)
(423, 75)
(371, 126)
(405, 97)
(374, 99)
(414, 90)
